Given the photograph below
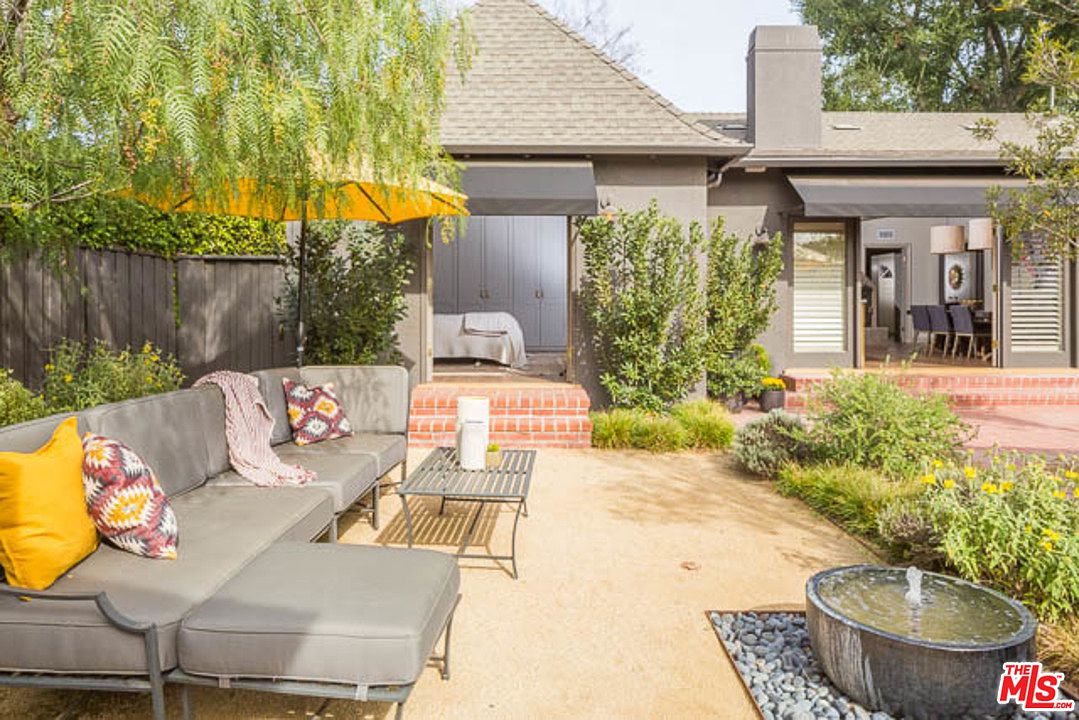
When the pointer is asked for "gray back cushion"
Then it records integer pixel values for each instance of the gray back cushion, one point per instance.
(273, 392)
(213, 412)
(29, 436)
(171, 432)
(375, 398)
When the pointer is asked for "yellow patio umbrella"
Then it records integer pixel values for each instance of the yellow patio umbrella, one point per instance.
(355, 199)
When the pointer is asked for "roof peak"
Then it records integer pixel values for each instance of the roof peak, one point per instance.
(570, 82)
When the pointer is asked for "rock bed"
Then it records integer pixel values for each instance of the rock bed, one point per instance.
(772, 654)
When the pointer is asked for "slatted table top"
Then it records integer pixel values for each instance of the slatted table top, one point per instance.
(441, 475)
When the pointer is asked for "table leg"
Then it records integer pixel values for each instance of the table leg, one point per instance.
(408, 517)
(442, 506)
(513, 547)
(471, 529)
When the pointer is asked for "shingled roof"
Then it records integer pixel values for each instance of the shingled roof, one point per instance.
(891, 138)
(537, 87)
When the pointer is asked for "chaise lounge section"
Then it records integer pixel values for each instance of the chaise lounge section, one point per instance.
(250, 601)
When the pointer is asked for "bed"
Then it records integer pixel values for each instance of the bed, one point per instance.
(494, 336)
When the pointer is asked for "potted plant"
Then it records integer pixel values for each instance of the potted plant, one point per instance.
(494, 457)
(773, 394)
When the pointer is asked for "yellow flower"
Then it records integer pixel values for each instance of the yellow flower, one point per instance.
(49, 367)
(1047, 546)
(147, 348)
(949, 484)
(1071, 474)
(1051, 535)
(938, 464)
(929, 479)
(1029, 529)
(1006, 486)
(1060, 495)
(970, 472)
(68, 377)
(154, 358)
(989, 488)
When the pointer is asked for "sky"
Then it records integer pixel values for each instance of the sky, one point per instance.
(693, 51)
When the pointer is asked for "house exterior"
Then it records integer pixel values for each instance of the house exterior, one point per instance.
(548, 129)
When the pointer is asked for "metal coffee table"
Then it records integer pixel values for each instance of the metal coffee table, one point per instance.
(441, 476)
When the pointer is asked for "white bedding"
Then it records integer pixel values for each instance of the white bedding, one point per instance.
(480, 336)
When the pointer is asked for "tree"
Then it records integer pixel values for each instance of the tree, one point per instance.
(932, 55)
(101, 95)
(1042, 218)
(592, 19)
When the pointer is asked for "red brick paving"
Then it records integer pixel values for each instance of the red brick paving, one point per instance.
(1046, 430)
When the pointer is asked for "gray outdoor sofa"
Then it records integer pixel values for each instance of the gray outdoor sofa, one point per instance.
(251, 602)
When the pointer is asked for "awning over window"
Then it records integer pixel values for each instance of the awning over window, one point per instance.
(530, 187)
(872, 196)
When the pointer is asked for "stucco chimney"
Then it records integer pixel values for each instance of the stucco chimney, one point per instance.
(784, 87)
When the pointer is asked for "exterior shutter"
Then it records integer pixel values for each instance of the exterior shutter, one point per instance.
(819, 292)
(1037, 306)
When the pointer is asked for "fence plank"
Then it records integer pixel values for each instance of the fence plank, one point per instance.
(226, 306)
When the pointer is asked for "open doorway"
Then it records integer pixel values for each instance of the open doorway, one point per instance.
(501, 301)
(885, 299)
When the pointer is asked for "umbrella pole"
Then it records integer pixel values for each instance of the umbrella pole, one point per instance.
(301, 335)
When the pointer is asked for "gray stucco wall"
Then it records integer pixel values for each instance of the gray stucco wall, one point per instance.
(679, 185)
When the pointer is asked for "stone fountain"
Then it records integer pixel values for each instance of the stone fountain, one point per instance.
(913, 644)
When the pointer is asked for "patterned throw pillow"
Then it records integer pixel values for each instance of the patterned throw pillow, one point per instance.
(314, 413)
(125, 500)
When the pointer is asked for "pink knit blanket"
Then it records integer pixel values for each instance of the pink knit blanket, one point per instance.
(248, 426)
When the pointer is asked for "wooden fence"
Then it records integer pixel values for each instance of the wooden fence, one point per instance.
(210, 312)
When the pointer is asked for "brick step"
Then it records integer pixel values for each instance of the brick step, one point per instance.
(982, 398)
(946, 383)
(521, 415)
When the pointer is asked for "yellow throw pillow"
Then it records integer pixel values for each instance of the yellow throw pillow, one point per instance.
(45, 528)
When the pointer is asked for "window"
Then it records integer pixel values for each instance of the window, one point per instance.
(1037, 305)
(820, 298)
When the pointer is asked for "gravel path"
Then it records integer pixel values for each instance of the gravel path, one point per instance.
(773, 655)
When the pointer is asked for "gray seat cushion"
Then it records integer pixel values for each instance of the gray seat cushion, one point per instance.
(273, 392)
(221, 531)
(326, 613)
(346, 478)
(387, 450)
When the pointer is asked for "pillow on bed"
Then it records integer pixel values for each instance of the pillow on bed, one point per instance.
(314, 413)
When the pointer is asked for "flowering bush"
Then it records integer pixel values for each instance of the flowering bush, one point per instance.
(78, 376)
(18, 404)
(768, 444)
(1012, 524)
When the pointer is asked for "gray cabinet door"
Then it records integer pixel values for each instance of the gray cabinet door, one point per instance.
(526, 279)
(445, 285)
(470, 268)
(552, 259)
(498, 264)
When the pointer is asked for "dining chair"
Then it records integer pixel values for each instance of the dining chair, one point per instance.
(939, 326)
(963, 327)
(922, 326)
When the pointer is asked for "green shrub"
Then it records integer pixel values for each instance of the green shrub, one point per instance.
(870, 421)
(742, 373)
(767, 445)
(741, 300)
(851, 496)
(708, 424)
(79, 377)
(642, 299)
(17, 404)
(623, 428)
(1012, 525)
(106, 222)
(355, 287)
